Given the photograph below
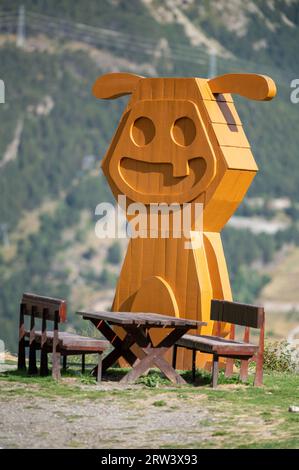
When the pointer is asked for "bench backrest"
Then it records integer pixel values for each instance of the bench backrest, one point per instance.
(47, 308)
(237, 314)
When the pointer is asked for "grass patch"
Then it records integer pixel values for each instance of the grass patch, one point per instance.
(159, 403)
(153, 379)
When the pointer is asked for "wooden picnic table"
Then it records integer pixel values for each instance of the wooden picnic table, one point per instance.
(136, 327)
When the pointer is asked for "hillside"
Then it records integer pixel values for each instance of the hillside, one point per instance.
(50, 124)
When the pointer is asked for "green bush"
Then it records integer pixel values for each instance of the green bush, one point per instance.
(278, 356)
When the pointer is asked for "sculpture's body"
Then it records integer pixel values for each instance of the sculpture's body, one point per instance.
(180, 140)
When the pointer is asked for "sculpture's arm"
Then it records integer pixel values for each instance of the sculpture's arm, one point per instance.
(249, 85)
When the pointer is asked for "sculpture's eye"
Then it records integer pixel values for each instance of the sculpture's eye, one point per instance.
(183, 131)
(143, 131)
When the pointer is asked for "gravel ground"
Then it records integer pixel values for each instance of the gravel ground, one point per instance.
(116, 417)
(105, 422)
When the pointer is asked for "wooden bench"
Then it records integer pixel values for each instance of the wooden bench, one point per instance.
(58, 343)
(235, 314)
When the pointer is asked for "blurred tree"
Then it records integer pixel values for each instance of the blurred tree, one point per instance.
(114, 253)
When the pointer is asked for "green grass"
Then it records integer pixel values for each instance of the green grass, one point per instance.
(160, 403)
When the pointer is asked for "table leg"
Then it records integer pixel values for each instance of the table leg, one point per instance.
(167, 369)
(99, 371)
(153, 356)
(121, 346)
(123, 350)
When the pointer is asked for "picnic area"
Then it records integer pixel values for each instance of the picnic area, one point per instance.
(148, 272)
(72, 398)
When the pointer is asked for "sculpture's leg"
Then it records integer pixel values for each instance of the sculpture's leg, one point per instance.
(219, 279)
(205, 294)
(163, 276)
(147, 281)
(156, 296)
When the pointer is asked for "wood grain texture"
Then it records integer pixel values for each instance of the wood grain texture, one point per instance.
(114, 85)
(180, 140)
(50, 341)
(40, 303)
(249, 85)
(217, 346)
(237, 313)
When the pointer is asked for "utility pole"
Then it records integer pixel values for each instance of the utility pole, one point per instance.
(4, 232)
(21, 27)
(2, 92)
(162, 55)
(212, 63)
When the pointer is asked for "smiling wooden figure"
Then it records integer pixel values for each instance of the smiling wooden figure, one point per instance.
(180, 140)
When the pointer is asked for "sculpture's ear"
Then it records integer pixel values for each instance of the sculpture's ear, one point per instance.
(114, 85)
(249, 85)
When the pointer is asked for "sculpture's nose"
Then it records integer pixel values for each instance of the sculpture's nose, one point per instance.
(182, 134)
(180, 167)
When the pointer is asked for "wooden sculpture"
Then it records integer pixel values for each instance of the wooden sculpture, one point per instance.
(180, 140)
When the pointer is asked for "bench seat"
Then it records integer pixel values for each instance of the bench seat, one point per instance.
(72, 341)
(231, 313)
(217, 345)
(60, 344)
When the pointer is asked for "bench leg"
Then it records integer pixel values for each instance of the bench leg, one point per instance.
(215, 371)
(174, 356)
(229, 368)
(21, 355)
(56, 365)
(193, 364)
(244, 371)
(32, 369)
(44, 370)
(83, 364)
(99, 371)
(64, 362)
(258, 380)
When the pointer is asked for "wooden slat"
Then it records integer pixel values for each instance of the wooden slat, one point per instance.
(84, 348)
(72, 341)
(237, 313)
(79, 344)
(40, 303)
(213, 344)
(146, 319)
(105, 316)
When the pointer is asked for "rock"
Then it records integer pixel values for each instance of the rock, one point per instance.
(294, 409)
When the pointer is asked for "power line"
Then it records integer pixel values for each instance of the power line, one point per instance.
(4, 232)
(120, 41)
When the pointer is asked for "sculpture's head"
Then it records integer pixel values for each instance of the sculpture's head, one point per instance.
(167, 147)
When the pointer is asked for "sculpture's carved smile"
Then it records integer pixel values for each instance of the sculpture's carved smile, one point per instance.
(163, 153)
(155, 178)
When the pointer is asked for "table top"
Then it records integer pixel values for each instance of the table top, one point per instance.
(143, 319)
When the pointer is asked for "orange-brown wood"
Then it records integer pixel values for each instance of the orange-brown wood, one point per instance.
(249, 85)
(180, 140)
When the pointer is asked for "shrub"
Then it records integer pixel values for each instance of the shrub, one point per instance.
(279, 357)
